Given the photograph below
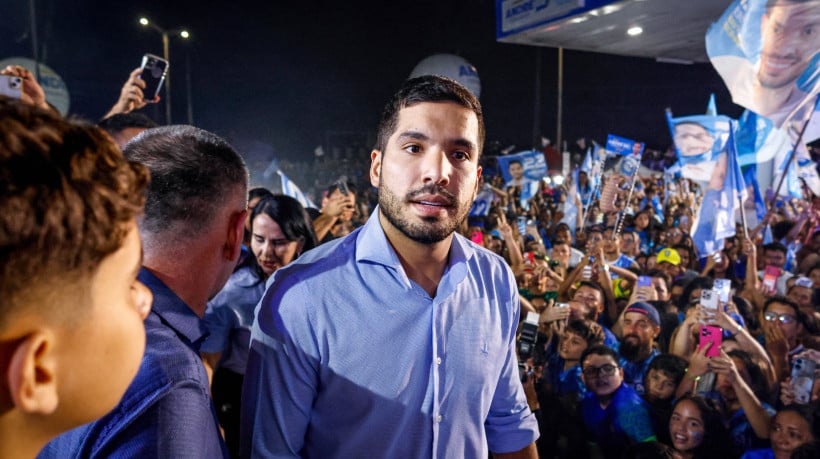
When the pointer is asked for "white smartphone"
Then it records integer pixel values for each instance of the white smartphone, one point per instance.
(11, 86)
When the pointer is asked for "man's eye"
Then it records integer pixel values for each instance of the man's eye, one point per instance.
(412, 148)
(461, 156)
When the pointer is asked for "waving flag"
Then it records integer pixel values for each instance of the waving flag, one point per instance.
(482, 203)
(522, 167)
(723, 193)
(768, 61)
(289, 188)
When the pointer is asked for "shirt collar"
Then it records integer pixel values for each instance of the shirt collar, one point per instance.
(173, 311)
(372, 246)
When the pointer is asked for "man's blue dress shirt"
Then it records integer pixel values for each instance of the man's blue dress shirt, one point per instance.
(229, 318)
(350, 358)
(167, 410)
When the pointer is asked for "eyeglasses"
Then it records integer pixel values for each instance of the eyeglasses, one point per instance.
(673, 234)
(605, 370)
(783, 318)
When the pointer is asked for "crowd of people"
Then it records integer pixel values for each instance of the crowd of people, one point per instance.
(619, 350)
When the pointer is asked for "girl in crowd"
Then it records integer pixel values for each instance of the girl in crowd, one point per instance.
(697, 431)
(280, 231)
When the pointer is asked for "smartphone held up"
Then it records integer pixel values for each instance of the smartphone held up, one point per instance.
(154, 70)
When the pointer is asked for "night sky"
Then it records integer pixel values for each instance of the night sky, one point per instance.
(295, 74)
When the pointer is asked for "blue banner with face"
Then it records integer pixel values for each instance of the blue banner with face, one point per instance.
(522, 167)
(768, 54)
(699, 140)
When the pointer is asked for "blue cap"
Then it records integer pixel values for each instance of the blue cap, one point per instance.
(646, 309)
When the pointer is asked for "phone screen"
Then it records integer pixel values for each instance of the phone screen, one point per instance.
(770, 275)
(724, 289)
(644, 281)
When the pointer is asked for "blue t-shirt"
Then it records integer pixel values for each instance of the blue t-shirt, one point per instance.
(625, 421)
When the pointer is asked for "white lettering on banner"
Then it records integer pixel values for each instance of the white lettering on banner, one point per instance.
(516, 10)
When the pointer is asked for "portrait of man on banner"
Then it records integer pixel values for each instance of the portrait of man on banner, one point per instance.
(699, 140)
(768, 54)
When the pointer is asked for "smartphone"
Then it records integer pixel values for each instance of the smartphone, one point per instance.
(341, 184)
(561, 305)
(802, 379)
(770, 275)
(644, 281)
(709, 302)
(711, 334)
(477, 237)
(587, 272)
(522, 224)
(724, 290)
(154, 69)
(11, 86)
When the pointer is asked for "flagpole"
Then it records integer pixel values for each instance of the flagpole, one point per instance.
(591, 199)
(621, 214)
(792, 155)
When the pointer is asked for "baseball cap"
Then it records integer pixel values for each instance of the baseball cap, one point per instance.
(670, 256)
(646, 309)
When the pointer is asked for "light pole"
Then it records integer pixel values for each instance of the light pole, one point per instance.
(166, 34)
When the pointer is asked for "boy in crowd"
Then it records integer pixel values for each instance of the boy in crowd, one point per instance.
(72, 306)
(613, 413)
(664, 375)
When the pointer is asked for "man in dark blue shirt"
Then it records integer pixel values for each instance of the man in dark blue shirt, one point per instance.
(192, 233)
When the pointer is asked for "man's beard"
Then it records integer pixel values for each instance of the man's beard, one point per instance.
(631, 349)
(432, 229)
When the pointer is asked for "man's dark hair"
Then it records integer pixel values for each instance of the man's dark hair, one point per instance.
(193, 174)
(588, 330)
(335, 186)
(259, 192)
(670, 365)
(771, 246)
(428, 88)
(599, 350)
(658, 273)
(515, 161)
(116, 123)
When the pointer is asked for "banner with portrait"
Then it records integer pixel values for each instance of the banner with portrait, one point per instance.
(524, 166)
(768, 54)
(707, 156)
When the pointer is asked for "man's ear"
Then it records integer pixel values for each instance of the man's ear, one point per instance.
(31, 375)
(235, 236)
(375, 167)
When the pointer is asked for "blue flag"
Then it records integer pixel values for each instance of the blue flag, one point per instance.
(522, 167)
(482, 203)
(291, 189)
(769, 58)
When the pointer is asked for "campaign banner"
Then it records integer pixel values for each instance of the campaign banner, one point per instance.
(522, 167)
(623, 155)
(723, 193)
(291, 189)
(482, 203)
(768, 54)
(699, 141)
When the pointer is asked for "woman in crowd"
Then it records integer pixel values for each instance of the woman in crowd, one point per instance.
(792, 427)
(280, 231)
(697, 430)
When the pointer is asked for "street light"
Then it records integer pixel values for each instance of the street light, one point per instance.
(166, 34)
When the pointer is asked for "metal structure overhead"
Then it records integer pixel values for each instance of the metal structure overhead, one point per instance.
(671, 30)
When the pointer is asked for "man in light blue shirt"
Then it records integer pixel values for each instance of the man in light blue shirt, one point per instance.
(398, 340)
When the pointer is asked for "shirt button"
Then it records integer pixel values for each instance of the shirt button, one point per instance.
(438, 360)
(438, 418)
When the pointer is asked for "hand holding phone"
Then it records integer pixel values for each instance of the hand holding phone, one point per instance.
(770, 275)
(709, 305)
(802, 379)
(11, 86)
(154, 70)
(711, 334)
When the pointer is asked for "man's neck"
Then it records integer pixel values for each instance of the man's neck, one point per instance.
(612, 256)
(770, 100)
(424, 264)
